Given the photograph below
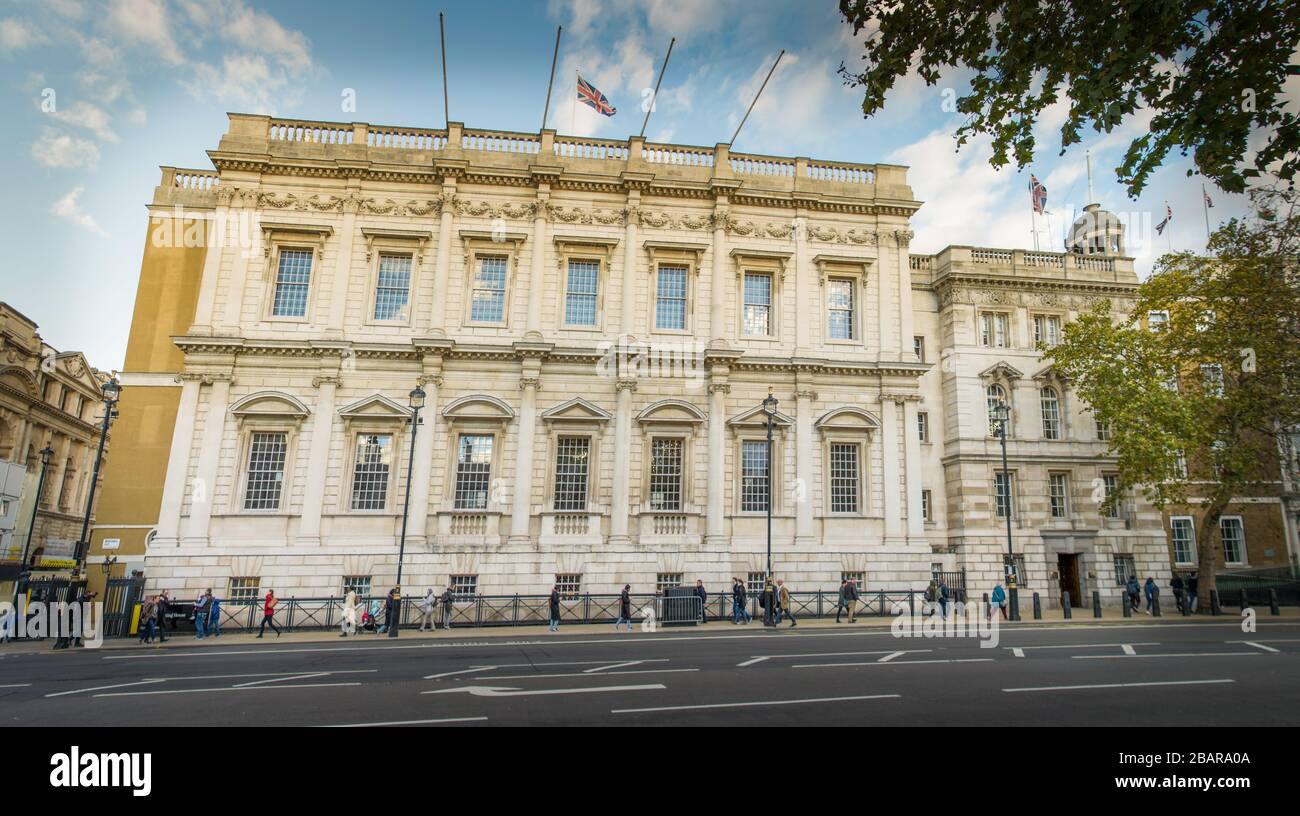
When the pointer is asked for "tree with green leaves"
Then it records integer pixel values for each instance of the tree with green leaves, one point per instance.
(1201, 404)
(1209, 73)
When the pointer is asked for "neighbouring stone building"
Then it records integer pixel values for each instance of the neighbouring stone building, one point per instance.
(48, 399)
(595, 324)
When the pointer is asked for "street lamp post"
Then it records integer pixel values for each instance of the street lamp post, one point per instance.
(112, 389)
(417, 402)
(769, 612)
(1002, 415)
(46, 453)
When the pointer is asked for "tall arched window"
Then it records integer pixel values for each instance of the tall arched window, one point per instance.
(996, 395)
(1051, 403)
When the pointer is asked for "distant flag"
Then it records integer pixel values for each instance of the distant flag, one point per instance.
(591, 96)
(1169, 214)
(1209, 202)
(1037, 194)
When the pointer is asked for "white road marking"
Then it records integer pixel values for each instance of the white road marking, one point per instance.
(1080, 646)
(506, 691)
(534, 664)
(1171, 654)
(612, 666)
(101, 688)
(890, 657)
(407, 722)
(462, 671)
(888, 653)
(282, 679)
(1121, 685)
(1261, 646)
(1017, 651)
(903, 663)
(226, 688)
(757, 703)
(16, 685)
(1128, 649)
(584, 674)
(751, 662)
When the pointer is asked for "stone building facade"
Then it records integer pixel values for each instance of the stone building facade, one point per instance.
(596, 324)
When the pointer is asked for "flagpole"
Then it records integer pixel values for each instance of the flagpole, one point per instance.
(1205, 205)
(655, 97)
(757, 95)
(1033, 221)
(551, 82)
(446, 106)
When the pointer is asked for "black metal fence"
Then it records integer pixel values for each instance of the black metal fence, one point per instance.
(1257, 584)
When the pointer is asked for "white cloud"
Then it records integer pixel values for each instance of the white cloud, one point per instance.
(16, 35)
(146, 22)
(244, 81)
(71, 9)
(57, 149)
(67, 207)
(138, 116)
(91, 117)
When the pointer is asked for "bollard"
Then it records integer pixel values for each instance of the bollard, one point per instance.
(1272, 603)
(1155, 603)
(1096, 604)
(1125, 605)
(1038, 607)
(1245, 601)
(1215, 609)
(1065, 606)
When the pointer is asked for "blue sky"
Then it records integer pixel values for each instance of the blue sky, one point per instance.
(142, 83)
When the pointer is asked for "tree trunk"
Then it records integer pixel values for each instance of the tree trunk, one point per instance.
(1207, 553)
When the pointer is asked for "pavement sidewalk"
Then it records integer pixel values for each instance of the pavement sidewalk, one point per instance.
(186, 640)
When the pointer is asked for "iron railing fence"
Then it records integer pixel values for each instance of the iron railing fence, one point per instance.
(304, 614)
(1257, 583)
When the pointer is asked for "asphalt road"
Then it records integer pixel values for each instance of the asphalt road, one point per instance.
(1170, 673)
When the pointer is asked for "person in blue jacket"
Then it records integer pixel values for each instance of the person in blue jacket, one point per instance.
(998, 600)
(214, 615)
(1150, 590)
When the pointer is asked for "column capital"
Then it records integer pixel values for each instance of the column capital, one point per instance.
(317, 382)
(805, 394)
(720, 386)
(527, 381)
(625, 384)
(430, 379)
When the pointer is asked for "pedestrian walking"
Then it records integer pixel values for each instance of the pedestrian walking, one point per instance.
(391, 609)
(624, 608)
(1134, 593)
(1150, 589)
(160, 614)
(849, 601)
(1191, 593)
(148, 622)
(555, 608)
(349, 623)
(447, 608)
(999, 600)
(201, 615)
(214, 615)
(931, 598)
(268, 614)
(427, 607)
(783, 604)
(739, 601)
(1176, 585)
(943, 599)
(703, 595)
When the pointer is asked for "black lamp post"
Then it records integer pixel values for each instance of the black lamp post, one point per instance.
(46, 453)
(112, 389)
(417, 402)
(769, 611)
(1002, 416)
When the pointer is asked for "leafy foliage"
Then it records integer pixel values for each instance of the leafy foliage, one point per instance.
(1208, 73)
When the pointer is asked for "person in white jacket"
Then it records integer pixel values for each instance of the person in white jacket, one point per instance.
(349, 623)
(427, 605)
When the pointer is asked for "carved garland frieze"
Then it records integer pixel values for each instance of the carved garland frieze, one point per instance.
(486, 209)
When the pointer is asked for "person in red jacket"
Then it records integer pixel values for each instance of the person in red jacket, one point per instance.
(268, 613)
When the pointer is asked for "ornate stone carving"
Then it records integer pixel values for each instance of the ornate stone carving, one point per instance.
(577, 215)
(486, 209)
(664, 220)
(526, 382)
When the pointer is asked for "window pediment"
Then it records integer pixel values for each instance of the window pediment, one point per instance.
(670, 411)
(849, 419)
(376, 407)
(478, 407)
(756, 418)
(269, 404)
(576, 410)
(1001, 371)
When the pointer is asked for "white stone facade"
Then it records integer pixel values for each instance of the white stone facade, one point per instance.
(336, 200)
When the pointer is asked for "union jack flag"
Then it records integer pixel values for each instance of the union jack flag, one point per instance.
(1037, 194)
(1169, 214)
(590, 95)
(1209, 202)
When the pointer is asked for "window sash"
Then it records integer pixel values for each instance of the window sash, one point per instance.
(1183, 535)
(393, 287)
(1124, 569)
(845, 472)
(666, 474)
(370, 471)
(581, 291)
(359, 584)
(923, 426)
(668, 580)
(927, 506)
(758, 304)
(1051, 405)
(670, 298)
(244, 589)
(462, 587)
(1047, 329)
(755, 479)
(994, 395)
(1057, 488)
(993, 330)
(1002, 499)
(840, 309)
(1110, 484)
(473, 471)
(569, 585)
(572, 458)
(265, 482)
(1231, 534)
(292, 283)
(488, 299)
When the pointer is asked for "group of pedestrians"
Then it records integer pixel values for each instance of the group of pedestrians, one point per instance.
(1184, 592)
(1149, 590)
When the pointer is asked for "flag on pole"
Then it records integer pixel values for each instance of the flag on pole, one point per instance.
(1037, 194)
(1169, 214)
(590, 95)
(1209, 202)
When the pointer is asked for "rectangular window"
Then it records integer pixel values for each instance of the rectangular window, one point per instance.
(1057, 492)
(488, 300)
(1180, 464)
(244, 589)
(572, 454)
(666, 474)
(1111, 484)
(1021, 573)
(473, 471)
(755, 477)
(923, 426)
(1047, 329)
(858, 577)
(292, 282)
(758, 304)
(393, 288)
(1157, 320)
(993, 329)
(918, 348)
(1051, 407)
(755, 582)
(1184, 538)
(570, 585)
(359, 584)
(670, 298)
(1212, 377)
(1103, 430)
(1124, 569)
(1002, 485)
(370, 471)
(927, 505)
(580, 293)
(463, 587)
(266, 452)
(667, 580)
(844, 478)
(840, 309)
(1234, 539)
